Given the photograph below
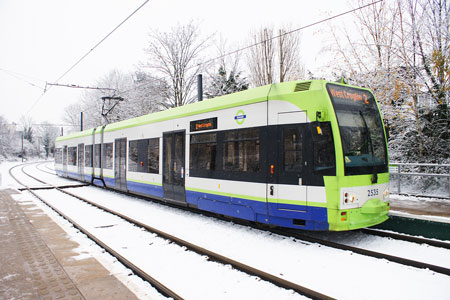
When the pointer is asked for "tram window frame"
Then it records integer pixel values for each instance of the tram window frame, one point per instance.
(235, 147)
(58, 156)
(72, 151)
(203, 154)
(107, 157)
(323, 145)
(88, 161)
(153, 156)
(81, 155)
(132, 155)
(295, 152)
(98, 156)
(143, 156)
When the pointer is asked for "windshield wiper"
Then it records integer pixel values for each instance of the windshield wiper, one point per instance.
(375, 175)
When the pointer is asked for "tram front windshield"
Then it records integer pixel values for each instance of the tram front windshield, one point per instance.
(361, 129)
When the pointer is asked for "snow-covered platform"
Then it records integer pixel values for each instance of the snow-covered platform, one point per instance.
(422, 208)
(38, 262)
(428, 217)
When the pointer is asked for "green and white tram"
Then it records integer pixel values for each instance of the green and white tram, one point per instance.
(309, 154)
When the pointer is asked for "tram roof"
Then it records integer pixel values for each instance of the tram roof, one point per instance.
(255, 95)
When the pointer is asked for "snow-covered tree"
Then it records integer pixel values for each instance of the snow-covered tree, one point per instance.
(8, 139)
(48, 134)
(174, 56)
(397, 49)
(223, 83)
(227, 76)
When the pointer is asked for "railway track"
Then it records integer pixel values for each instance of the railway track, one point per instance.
(407, 238)
(212, 256)
(366, 252)
(311, 239)
(135, 269)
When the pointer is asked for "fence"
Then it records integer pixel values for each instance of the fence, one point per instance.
(431, 180)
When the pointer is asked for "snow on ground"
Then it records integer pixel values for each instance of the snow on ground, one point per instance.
(340, 274)
(87, 249)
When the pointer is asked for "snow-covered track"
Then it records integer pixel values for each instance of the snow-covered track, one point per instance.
(155, 283)
(212, 256)
(46, 186)
(408, 238)
(362, 251)
(49, 171)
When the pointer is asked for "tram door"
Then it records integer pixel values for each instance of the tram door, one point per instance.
(120, 164)
(81, 161)
(290, 178)
(174, 166)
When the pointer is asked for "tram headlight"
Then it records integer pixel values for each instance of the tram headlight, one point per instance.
(349, 198)
(386, 194)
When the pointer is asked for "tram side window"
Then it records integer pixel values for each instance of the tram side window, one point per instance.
(133, 156)
(324, 157)
(153, 156)
(98, 155)
(64, 156)
(108, 155)
(241, 150)
(88, 156)
(72, 156)
(293, 154)
(81, 155)
(58, 156)
(144, 156)
(203, 150)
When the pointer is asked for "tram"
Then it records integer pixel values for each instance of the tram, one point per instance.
(309, 155)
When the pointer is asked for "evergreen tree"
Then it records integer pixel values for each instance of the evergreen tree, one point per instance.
(221, 84)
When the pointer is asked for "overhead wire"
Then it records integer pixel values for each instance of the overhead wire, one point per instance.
(87, 53)
(75, 86)
(203, 63)
(272, 38)
(291, 31)
(22, 77)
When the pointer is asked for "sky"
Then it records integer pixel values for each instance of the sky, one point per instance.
(41, 40)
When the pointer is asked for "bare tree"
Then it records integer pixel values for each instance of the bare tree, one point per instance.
(261, 58)
(289, 56)
(274, 57)
(147, 93)
(8, 138)
(434, 47)
(72, 114)
(27, 125)
(174, 55)
(48, 134)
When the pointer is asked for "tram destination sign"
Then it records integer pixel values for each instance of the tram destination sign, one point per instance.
(349, 96)
(205, 124)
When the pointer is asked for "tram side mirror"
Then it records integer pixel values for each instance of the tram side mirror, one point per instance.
(320, 115)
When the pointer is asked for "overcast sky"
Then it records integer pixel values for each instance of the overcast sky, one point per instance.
(40, 40)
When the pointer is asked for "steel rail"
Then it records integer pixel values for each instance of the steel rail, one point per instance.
(52, 172)
(154, 282)
(407, 238)
(213, 256)
(370, 253)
